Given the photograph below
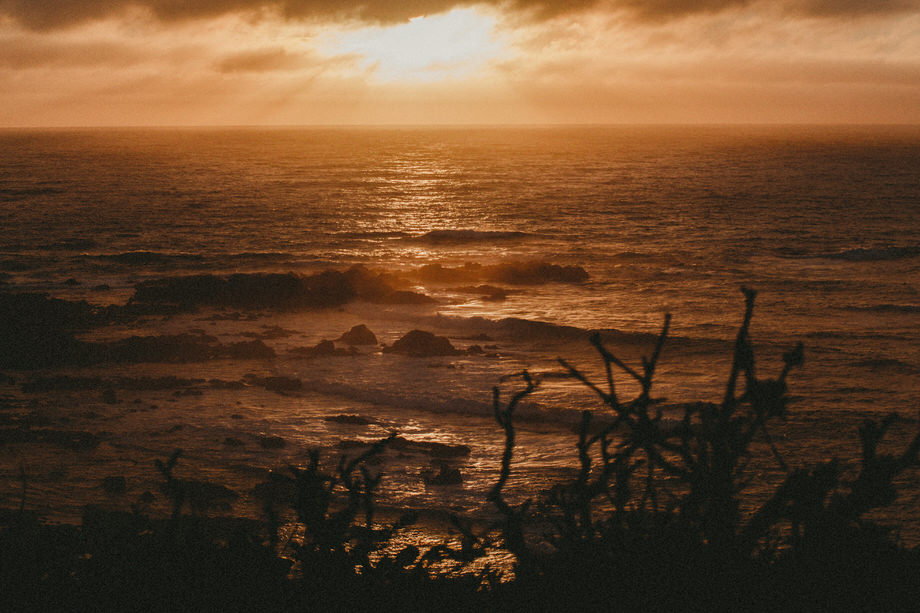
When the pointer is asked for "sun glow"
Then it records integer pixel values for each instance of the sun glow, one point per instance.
(452, 45)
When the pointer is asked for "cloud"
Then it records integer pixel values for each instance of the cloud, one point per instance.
(25, 53)
(45, 15)
(260, 60)
(853, 8)
(64, 13)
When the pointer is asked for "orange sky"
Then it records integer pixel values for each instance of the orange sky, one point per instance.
(296, 62)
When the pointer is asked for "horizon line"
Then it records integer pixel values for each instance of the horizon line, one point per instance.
(203, 126)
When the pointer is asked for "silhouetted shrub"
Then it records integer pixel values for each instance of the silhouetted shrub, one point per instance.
(652, 520)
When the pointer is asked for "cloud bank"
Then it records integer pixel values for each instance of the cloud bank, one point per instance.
(45, 15)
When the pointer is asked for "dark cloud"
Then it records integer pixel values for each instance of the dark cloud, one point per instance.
(658, 10)
(854, 8)
(52, 14)
(25, 53)
(261, 60)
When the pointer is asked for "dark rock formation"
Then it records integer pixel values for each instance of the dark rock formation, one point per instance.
(419, 343)
(446, 475)
(512, 273)
(272, 442)
(429, 448)
(359, 335)
(354, 420)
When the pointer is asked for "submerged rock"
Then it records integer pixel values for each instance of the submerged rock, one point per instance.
(419, 343)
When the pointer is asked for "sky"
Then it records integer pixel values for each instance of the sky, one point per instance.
(347, 62)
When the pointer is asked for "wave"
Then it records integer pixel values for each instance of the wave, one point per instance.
(511, 273)
(14, 193)
(141, 258)
(372, 234)
(470, 236)
(877, 254)
(890, 365)
(262, 255)
(69, 244)
(885, 308)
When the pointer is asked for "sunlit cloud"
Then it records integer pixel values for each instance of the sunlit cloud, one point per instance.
(452, 45)
(236, 62)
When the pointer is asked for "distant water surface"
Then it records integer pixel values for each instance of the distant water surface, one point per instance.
(823, 221)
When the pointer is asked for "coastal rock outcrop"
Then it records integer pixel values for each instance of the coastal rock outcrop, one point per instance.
(422, 344)
(359, 335)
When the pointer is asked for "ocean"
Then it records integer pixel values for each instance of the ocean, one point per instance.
(513, 243)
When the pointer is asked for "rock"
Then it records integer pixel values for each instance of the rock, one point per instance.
(279, 384)
(232, 441)
(247, 350)
(249, 290)
(71, 282)
(108, 396)
(419, 343)
(446, 475)
(359, 335)
(433, 449)
(226, 385)
(324, 347)
(114, 485)
(355, 420)
(405, 297)
(272, 442)
(102, 287)
(487, 293)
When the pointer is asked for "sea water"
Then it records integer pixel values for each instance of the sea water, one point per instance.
(823, 221)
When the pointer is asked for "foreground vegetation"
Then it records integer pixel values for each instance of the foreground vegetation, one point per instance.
(656, 518)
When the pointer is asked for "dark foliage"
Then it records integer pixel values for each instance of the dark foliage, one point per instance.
(653, 520)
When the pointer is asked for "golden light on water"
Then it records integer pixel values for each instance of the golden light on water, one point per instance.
(451, 45)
